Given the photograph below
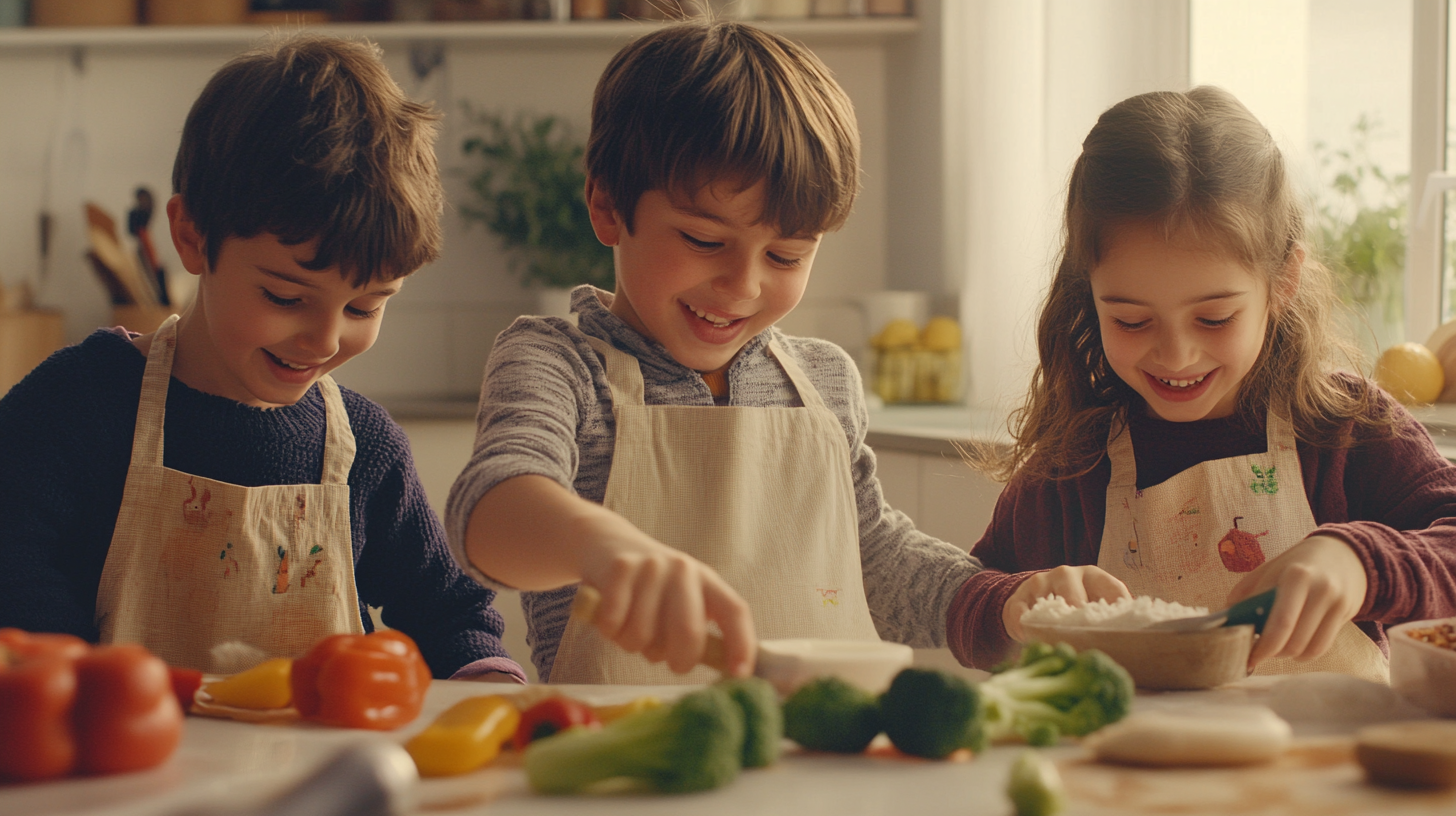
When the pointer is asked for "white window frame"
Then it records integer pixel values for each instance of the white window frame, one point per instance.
(1425, 235)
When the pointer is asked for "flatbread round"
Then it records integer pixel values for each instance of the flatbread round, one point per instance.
(1228, 736)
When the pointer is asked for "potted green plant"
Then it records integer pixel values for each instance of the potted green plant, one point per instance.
(1360, 229)
(527, 184)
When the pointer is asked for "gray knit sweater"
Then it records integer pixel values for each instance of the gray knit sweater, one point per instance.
(546, 409)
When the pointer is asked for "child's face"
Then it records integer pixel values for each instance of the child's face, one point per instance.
(1180, 324)
(701, 277)
(263, 329)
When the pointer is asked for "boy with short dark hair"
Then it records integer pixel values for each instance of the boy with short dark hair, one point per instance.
(209, 482)
(673, 449)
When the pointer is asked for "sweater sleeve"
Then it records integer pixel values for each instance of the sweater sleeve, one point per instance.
(404, 565)
(1037, 525)
(65, 440)
(531, 400)
(1400, 495)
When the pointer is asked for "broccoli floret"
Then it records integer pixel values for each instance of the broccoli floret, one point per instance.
(763, 719)
(931, 713)
(1035, 787)
(1053, 691)
(829, 714)
(694, 744)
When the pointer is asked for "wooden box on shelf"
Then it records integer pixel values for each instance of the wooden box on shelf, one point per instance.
(142, 319)
(27, 337)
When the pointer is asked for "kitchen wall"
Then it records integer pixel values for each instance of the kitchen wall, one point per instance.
(94, 122)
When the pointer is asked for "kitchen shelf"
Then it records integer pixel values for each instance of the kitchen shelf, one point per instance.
(506, 32)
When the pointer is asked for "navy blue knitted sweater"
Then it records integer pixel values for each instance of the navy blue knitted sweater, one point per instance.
(65, 446)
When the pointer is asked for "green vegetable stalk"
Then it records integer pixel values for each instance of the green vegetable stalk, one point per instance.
(695, 744)
(763, 719)
(1052, 691)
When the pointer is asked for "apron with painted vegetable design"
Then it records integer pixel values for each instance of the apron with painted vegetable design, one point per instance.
(195, 562)
(1193, 537)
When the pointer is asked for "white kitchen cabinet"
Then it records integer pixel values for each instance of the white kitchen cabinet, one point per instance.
(945, 498)
(940, 492)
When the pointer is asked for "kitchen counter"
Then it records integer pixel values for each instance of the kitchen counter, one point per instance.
(933, 429)
(223, 764)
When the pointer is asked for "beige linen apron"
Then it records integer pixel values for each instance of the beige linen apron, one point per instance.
(195, 562)
(762, 495)
(1193, 537)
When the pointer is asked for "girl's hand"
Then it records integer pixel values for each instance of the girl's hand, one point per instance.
(657, 601)
(1321, 585)
(1076, 586)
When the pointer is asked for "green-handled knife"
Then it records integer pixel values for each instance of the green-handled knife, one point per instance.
(1254, 610)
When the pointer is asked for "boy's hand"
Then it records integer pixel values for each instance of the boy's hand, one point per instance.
(530, 533)
(657, 601)
(1076, 585)
(1321, 585)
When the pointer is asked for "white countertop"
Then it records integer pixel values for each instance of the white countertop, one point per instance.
(222, 763)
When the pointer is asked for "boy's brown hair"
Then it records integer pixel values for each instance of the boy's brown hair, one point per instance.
(1201, 168)
(308, 137)
(701, 102)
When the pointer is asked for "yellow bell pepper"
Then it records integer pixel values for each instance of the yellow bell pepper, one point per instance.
(264, 686)
(465, 736)
(611, 713)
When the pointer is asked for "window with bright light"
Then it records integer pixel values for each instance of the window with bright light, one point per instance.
(1331, 79)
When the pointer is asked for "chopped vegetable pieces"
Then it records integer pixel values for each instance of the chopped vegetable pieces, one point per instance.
(465, 736)
(763, 719)
(931, 713)
(185, 684)
(66, 707)
(1052, 691)
(829, 714)
(1034, 786)
(550, 716)
(375, 681)
(264, 686)
(694, 744)
(616, 711)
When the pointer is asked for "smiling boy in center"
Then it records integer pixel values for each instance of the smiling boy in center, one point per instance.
(672, 448)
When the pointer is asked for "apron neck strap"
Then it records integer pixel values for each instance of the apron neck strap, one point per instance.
(146, 446)
(148, 440)
(1119, 452)
(808, 394)
(339, 445)
(624, 374)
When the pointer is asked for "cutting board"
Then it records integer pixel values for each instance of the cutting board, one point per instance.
(1318, 776)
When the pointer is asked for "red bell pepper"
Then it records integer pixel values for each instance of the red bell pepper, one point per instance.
(373, 681)
(551, 715)
(66, 707)
(185, 683)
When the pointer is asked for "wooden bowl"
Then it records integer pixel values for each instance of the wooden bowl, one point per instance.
(1163, 660)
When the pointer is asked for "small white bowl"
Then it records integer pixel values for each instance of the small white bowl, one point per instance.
(792, 662)
(1423, 673)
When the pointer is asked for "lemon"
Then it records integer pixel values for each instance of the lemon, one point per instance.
(1411, 373)
(898, 333)
(941, 334)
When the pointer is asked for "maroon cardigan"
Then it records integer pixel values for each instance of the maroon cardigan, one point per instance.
(1393, 500)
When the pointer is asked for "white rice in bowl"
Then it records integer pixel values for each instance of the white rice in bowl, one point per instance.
(1124, 613)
